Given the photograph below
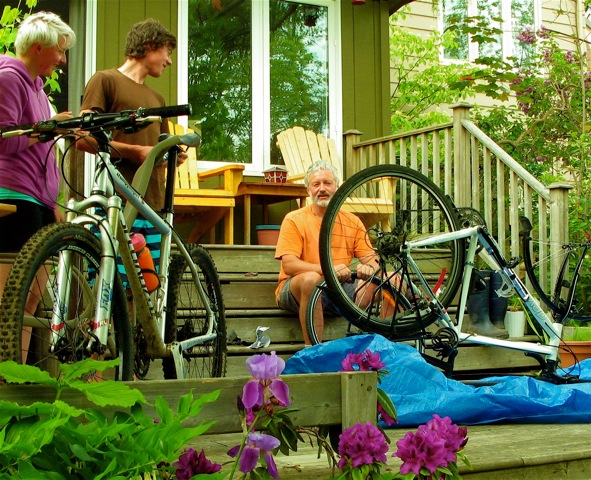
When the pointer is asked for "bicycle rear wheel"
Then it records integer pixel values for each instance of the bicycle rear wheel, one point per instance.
(381, 301)
(396, 204)
(186, 316)
(32, 286)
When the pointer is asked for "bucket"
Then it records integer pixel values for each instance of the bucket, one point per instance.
(267, 234)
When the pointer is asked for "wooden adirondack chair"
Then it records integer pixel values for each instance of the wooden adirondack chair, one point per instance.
(300, 148)
(205, 206)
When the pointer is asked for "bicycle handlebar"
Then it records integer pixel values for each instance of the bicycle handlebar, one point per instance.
(93, 121)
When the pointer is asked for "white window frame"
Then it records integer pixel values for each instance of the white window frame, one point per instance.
(261, 96)
(506, 26)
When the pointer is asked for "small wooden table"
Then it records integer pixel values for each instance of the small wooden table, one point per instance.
(6, 209)
(265, 194)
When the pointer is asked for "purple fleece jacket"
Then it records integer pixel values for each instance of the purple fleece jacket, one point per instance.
(32, 171)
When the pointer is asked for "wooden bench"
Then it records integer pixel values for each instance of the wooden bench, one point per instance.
(249, 278)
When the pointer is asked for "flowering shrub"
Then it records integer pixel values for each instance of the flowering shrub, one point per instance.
(432, 452)
(135, 445)
(363, 451)
(429, 454)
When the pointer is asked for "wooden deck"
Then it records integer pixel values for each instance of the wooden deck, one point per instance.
(507, 452)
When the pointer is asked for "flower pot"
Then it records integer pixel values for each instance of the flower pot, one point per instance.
(515, 323)
(572, 351)
(267, 234)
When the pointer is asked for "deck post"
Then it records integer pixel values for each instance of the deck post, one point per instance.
(359, 398)
(351, 161)
(461, 151)
(559, 231)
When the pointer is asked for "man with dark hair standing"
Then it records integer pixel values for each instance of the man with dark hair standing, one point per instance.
(147, 54)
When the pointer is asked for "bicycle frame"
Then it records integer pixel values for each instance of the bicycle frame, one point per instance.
(479, 235)
(115, 240)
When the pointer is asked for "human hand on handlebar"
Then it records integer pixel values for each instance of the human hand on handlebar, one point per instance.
(62, 116)
(343, 272)
(365, 270)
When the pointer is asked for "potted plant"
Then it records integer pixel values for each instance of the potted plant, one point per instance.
(575, 345)
(515, 318)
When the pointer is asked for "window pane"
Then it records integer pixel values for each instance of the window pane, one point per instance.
(219, 71)
(522, 15)
(298, 68)
(488, 9)
(454, 14)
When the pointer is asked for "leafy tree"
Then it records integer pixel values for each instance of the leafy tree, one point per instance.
(221, 76)
(422, 83)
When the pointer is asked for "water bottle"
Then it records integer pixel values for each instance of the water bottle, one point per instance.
(144, 258)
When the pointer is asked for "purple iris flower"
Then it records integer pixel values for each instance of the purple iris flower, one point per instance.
(265, 385)
(257, 444)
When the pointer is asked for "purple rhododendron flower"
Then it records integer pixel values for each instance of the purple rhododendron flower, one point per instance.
(423, 449)
(365, 361)
(362, 444)
(434, 445)
(454, 437)
(257, 444)
(191, 463)
(265, 385)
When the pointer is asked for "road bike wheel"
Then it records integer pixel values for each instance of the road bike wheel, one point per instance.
(396, 205)
(32, 281)
(383, 300)
(568, 296)
(186, 316)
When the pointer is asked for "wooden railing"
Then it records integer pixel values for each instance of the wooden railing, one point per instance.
(475, 172)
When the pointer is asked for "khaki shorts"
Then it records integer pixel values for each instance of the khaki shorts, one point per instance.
(287, 301)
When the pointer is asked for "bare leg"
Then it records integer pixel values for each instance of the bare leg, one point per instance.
(302, 287)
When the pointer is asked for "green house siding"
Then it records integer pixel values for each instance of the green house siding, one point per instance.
(115, 18)
(366, 68)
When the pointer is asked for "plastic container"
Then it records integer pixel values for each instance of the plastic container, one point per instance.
(144, 258)
(267, 234)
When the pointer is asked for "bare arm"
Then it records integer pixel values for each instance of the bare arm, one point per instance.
(293, 266)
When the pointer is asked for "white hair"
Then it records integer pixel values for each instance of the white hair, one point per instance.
(44, 28)
(321, 165)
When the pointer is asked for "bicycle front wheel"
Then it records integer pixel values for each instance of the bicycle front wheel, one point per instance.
(186, 316)
(395, 205)
(32, 296)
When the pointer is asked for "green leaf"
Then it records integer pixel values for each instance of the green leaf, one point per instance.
(386, 403)
(14, 372)
(163, 410)
(11, 409)
(28, 471)
(109, 393)
(77, 370)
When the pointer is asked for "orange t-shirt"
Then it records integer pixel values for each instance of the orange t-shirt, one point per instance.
(300, 233)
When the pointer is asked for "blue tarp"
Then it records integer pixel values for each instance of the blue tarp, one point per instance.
(418, 390)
